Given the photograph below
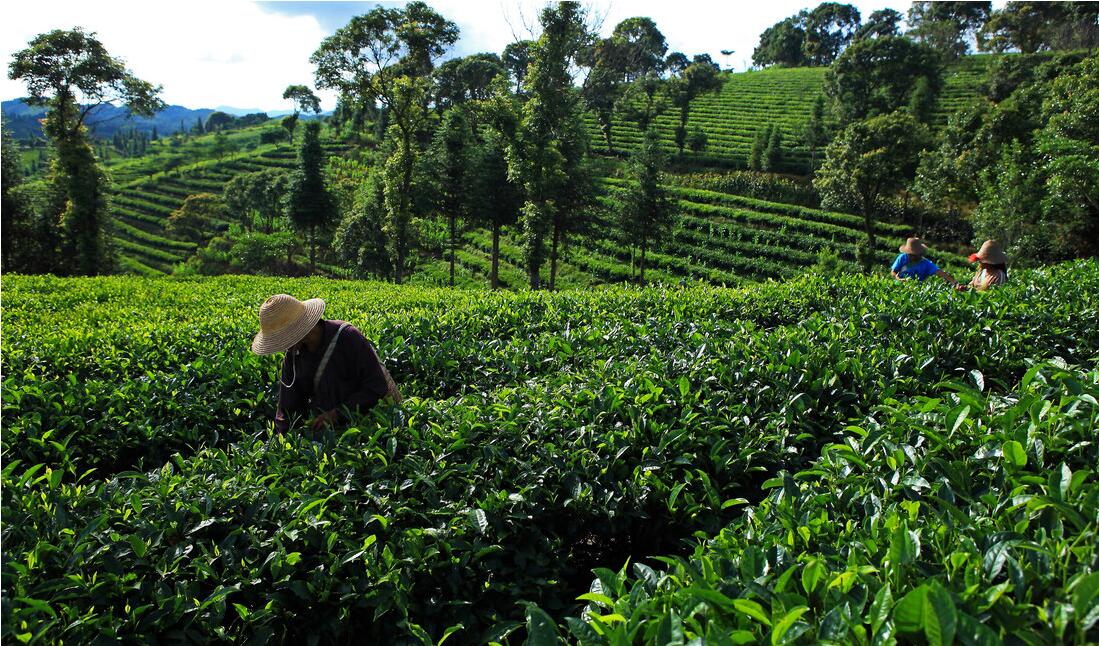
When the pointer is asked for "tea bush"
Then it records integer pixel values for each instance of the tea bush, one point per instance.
(146, 497)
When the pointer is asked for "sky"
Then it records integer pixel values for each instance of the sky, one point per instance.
(242, 54)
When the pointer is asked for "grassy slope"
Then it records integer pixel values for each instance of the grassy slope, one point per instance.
(749, 101)
(717, 238)
(149, 188)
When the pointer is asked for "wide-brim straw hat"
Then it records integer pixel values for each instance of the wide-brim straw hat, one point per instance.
(914, 246)
(284, 321)
(992, 253)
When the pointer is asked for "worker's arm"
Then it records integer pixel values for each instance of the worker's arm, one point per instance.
(950, 279)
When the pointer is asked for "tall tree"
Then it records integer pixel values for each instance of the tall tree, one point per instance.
(516, 59)
(21, 248)
(551, 143)
(1036, 26)
(782, 44)
(693, 81)
(496, 199)
(256, 195)
(814, 134)
(308, 205)
(386, 56)
(303, 98)
(878, 76)
(451, 155)
(868, 161)
(881, 23)
(72, 73)
(828, 30)
(646, 212)
(469, 78)
(193, 220)
(948, 27)
(640, 47)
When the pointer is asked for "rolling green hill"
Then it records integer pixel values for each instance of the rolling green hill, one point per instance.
(142, 205)
(730, 117)
(749, 101)
(717, 238)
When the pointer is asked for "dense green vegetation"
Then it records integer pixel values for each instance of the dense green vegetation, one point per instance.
(144, 492)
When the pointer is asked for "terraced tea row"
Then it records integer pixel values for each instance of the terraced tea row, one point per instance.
(730, 117)
(141, 208)
(544, 437)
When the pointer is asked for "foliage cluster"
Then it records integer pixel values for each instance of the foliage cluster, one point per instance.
(544, 435)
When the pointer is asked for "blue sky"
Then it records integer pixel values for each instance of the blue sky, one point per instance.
(243, 54)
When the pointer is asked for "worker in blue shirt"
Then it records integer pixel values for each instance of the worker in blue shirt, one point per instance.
(911, 264)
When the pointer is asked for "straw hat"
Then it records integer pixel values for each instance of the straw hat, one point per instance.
(914, 246)
(991, 253)
(283, 321)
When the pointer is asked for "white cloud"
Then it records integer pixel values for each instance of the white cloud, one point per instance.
(236, 53)
(205, 54)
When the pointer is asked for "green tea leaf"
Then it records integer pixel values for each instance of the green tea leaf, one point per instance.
(1014, 453)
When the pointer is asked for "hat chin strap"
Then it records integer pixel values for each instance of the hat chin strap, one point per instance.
(294, 370)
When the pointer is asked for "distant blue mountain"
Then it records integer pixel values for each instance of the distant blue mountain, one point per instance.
(22, 120)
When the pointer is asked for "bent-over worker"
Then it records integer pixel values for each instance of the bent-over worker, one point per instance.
(911, 264)
(993, 267)
(329, 365)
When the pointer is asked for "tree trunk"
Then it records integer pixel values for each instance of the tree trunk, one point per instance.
(871, 243)
(644, 244)
(606, 127)
(496, 256)
(406, 189)
(683, 124)
(553, 257)
(312, 249)
(453, 244)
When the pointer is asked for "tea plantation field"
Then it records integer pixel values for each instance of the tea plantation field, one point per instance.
(844, 460)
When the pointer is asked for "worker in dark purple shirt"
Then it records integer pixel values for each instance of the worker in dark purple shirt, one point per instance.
(329, 365)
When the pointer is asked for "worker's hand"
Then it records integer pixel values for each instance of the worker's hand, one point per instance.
(961, 287)
(322, 420)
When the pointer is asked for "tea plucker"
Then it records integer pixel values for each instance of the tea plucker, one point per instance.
(912, 263)
(993, 266)
(329, 366)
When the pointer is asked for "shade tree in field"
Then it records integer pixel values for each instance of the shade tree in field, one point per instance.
(386, 57)
(194, 219)
(829, 28)
(781, 44)
(29, 240)
(72, 73)
(496, 199)
(632, 54)
(549, 149)
(689, 83)
(1030, 27)
(451, 155)
(881, 23)
(646, 211)
(868, 161)
(878, 76)
(469, 78)
(814, 133)
(813, 38)
(309, 206)
(249, 196)
(1042, 197)
(947, 27)
(303, 98)
(360, 239)
(516, 59)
